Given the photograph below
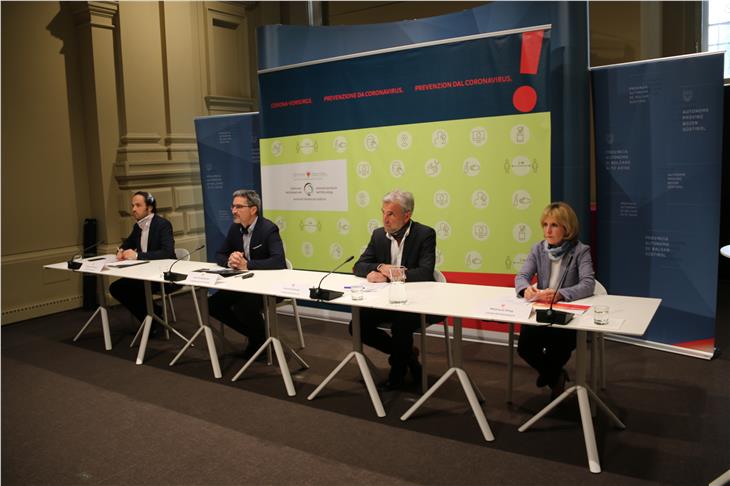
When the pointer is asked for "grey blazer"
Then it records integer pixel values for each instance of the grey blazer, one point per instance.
(579, 282)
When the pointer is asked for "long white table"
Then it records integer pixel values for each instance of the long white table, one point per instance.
(459, 301)
(148, 272)
(468, 302)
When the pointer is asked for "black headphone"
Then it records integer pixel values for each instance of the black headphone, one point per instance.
(149, 199)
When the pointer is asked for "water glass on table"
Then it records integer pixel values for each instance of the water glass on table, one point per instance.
(397, 290)
(600, 314)
(357, 291)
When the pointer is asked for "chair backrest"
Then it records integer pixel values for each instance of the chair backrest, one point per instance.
(289, 266)
(438, 276)
(600, 289)
(182, 254)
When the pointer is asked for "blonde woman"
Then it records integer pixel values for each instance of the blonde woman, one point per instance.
(549, 349)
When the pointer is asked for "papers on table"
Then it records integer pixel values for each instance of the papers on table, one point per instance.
(577, 309)
(98, 264)
(125, 263)
(368, 286)
(92, 266)
(507, 307)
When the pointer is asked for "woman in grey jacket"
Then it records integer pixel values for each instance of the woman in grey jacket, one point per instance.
(548, 349)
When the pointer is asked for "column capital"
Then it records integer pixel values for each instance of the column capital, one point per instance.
(96, 14)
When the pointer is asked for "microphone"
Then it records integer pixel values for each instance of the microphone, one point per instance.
(551, 316)
(171, 276)
(73, 264)
(319, 293)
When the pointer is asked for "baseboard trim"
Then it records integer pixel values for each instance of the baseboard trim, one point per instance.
(40, 309)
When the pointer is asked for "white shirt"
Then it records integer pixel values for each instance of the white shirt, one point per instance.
(144, 225)
(247, 240)
(554, 273)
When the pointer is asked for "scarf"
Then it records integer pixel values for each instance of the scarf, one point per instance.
(398, 235)
(555, 253)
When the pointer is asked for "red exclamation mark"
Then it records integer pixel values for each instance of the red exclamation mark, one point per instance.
(525, 97)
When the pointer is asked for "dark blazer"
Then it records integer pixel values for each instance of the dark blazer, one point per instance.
(160, 242)
(419, 253)
(579, 282)
(266, 248)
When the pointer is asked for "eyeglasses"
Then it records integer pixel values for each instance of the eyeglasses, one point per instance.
(240, 206)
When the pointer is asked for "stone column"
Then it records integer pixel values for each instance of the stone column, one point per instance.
(96, 23)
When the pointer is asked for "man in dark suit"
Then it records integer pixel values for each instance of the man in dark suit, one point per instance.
(401, 241)
(151, 239)
(252, 243)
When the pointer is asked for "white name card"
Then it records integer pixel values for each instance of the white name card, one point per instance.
(202, 279)
(294, 289)
(92, 267)
(508, 307)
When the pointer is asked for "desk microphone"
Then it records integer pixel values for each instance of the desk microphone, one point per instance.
(323, 294)
(73, 264)
(551, 316)
(171, 276)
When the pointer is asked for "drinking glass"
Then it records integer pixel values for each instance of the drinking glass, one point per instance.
(356, 291)
(600, 315)
(397, 290)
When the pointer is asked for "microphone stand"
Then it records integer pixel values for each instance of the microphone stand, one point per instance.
(171, 276)
(75, 265)
(551, 316)
(319, 293)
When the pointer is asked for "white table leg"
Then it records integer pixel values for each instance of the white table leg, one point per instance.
(584, 393)
(273, 340)
(466, 385)
(105, 328)
(510, 362)
(147, 323)
(332, 374)
(362, 363)
(594, 464)
(201, 310)
(146, 326)
(187, 345)
(303, 364)
(101, 297)
(476, 407)
(370, 385)
(428, 394)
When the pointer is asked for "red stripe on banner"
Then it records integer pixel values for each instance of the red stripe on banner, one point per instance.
(530, 56)
(495, 279)
(706, 345)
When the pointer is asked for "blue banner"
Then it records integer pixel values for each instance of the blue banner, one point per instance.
(658, 172)
(228, 149)
(283, 45)
(482, 76)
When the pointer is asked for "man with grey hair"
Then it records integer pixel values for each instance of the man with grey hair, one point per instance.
(401, 242)
(253, 243)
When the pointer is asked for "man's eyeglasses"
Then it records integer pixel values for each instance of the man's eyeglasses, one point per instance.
(240, 206)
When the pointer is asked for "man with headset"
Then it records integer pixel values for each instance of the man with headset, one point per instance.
(151, 239)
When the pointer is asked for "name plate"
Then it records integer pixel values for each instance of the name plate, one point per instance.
(511, 308)
(92, 267)
(294, 290)
(201, 279)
